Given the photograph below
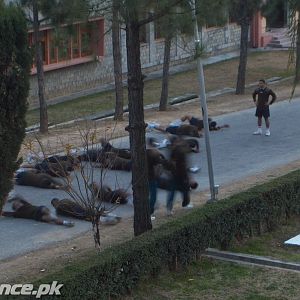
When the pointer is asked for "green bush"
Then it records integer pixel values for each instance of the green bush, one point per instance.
(117, 270)
(15, 62)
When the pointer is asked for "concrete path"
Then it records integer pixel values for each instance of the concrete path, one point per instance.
(250, 259)
(236, 153)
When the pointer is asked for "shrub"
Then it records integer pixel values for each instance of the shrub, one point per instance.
(117, 270)
(15, 62)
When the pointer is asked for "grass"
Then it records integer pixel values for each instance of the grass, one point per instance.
(272, 244)
(217, 76)
(210, 279)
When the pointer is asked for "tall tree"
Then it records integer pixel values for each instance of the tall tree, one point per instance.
(294, 24)
(165, 78)
(137, 125)
(179, 20)
(15, 62)
(132, 10)
(117, 55)
(39, 67)
(56, 13)
(243, 11)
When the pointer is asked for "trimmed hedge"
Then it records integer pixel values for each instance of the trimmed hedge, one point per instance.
(117, 270)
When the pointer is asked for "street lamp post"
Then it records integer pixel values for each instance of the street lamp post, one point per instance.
(202, 96)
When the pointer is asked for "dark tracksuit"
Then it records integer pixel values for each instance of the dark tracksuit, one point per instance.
(263, 94)
(154, 158)
(28, 211)
(180, 179)
(67, 207)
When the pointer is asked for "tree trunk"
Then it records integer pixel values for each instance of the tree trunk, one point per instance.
(117, 62)
(297, 75)
(240, 85)
(39, 69)
(136, 129)
(165, 80)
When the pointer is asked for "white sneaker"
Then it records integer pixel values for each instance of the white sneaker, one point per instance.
(258, 131)
(268, 133)
(189, 206)
(153, 217)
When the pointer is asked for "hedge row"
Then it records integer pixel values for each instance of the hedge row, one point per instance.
(117, 270)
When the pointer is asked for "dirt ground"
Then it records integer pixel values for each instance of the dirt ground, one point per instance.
(44, 261)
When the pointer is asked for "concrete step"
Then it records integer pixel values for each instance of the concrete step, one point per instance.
(279, 38)
(282, 41)
(279, 30)
(271, 45)
(252, 259)
(273, 41)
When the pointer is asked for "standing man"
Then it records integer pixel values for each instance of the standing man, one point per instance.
(261, 99)
(180, 178)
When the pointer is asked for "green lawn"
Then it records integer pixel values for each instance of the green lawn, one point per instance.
(213, 279)
(210, 279)
(217, 76)
(271, 244)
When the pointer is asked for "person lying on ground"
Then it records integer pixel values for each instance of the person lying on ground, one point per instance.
(193, 144)
(112, 161)
(109, 160)
(71, 160)
(68, 207)
(177, 128)
(23, 209)
(58, 169)
(107, 147)
(200, 124)
(40, 180)
(106, 194)
(92, 155)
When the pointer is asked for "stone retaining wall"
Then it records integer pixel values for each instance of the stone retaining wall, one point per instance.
(75, 78)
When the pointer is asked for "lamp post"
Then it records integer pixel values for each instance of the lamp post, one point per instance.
(202, 96)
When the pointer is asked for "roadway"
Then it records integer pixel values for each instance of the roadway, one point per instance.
(236, 153)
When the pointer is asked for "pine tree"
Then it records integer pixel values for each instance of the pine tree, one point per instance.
(294, 7)
(55, 13)
(117, 55)
(179, 20)
(131, 11)
(243, 11)
(15, 64)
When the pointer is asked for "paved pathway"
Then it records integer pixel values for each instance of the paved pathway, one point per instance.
(236, 153)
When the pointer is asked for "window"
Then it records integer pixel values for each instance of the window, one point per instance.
(75, 42)
(71, 44)
(43, 39)
(64, 45)
(52, 48)
(86, 39)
